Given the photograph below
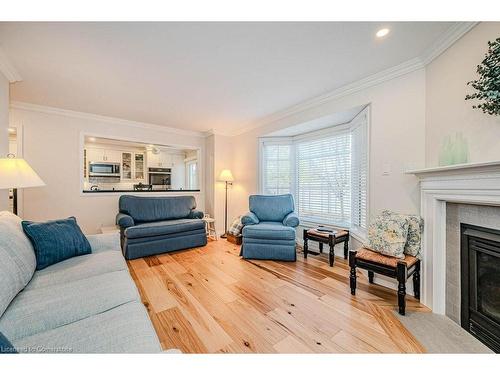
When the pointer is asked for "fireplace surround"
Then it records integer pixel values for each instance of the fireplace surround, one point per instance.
(480, 283)
(475, 183)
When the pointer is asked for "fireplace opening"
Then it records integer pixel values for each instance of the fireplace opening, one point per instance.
(480, 283)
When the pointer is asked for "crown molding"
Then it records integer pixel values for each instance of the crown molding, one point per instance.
(367, 82)
(8, 70)
(446, 40)
(93, 117)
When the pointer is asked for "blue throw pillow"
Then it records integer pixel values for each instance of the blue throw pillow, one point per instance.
(56, 240)
(5, 346)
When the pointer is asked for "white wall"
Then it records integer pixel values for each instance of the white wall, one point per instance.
(397, 139)
(224, 155)
(51, 144)
(446, 110)
(220, 155)
(4, 132)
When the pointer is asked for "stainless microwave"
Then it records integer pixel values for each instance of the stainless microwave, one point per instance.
(104, 169)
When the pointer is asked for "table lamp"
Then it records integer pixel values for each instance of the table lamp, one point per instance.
(227, 177)
(16, 173)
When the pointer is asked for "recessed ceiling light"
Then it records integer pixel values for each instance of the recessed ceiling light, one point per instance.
(382, 32)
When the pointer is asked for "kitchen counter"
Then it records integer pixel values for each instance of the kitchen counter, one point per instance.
(141, 191)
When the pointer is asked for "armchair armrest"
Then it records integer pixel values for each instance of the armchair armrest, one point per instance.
(291, 220)
(124, 221)
(195, 214)
(249, 219)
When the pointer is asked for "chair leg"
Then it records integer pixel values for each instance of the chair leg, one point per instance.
(346, 248)
(305, 243)
(352, 273)
(416, 281)
(370, 276)
(321, 247)
(402, 275)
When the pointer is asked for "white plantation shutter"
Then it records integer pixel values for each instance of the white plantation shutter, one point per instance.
(323, 192)
(326, 171)
(359, 172)
(277, 165)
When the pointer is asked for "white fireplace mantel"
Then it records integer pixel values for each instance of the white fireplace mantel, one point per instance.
(474, 183)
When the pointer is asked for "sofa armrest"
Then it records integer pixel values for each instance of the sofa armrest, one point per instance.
(104, 242)
(291, 220)
(249, 219)
(124, 221)
(195, 214)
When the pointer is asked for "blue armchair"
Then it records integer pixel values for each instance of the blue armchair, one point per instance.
(269, 228)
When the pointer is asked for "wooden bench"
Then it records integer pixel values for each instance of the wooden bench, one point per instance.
(399, 269)
(329, 238)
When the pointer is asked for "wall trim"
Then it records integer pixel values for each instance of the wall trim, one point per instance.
(446, 40)
(8, 70)
(367, 82)
(90, 116)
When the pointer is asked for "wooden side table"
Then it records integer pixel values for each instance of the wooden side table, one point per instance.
(329, 238)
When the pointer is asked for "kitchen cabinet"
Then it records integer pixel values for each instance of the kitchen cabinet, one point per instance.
(165, 160)
(139, 166)
(127, 165)
(159, 160)
(100, 154)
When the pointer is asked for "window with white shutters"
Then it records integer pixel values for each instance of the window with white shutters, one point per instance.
(326, 171)
(323, 192)
(277, 168)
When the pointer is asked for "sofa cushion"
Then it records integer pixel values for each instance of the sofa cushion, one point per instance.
(160, 228)
(78, 268)
(145, 209)
(269, 230)
(104, 242)
(56, 240)
(17, 259)
(123, 329)
(40, 309)
(271, 207)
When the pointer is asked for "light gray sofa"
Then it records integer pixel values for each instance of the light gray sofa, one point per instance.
(86, 304)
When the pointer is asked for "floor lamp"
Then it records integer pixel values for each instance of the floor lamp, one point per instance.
(16, 173)
(227, 177)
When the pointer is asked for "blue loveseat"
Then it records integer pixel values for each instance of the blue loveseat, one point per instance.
(269, 228)
(154, 225)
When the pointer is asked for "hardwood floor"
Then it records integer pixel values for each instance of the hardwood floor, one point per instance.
(208, 300)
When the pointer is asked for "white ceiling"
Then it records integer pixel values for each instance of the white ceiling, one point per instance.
(200, 76)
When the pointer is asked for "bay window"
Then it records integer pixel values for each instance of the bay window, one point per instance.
(326, 171)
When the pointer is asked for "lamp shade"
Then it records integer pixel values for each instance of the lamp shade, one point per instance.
(226, 175)
(17, 173)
